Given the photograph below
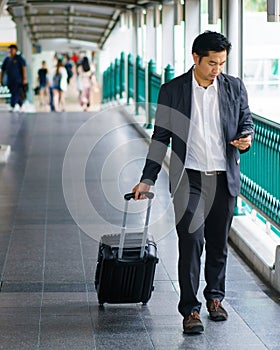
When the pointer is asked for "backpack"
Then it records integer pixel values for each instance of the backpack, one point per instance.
(56, 80)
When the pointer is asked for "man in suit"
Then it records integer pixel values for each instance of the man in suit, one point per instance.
(202, 113)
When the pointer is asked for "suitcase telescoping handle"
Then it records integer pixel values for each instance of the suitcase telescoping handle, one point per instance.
(127, 198)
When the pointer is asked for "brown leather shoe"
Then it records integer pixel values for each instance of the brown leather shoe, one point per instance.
(192, 324)
(216, 310)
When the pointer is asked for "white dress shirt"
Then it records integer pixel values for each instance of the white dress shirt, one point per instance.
(206, 145)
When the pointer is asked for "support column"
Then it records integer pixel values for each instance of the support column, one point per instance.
(2, 5)
(192, 28)
(150, 35)
(167, 35)
(233, 30)
(25, 46)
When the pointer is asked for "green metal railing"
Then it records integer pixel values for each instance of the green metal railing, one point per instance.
(117, 78)
(153, 90)
(130, 78)
(140, 85)
(260, 169)
(122, 74)
(141, 81)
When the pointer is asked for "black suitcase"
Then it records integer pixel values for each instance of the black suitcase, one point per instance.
(126, 263)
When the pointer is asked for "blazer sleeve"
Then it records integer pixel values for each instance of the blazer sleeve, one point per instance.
(160, 139)
(245, 116)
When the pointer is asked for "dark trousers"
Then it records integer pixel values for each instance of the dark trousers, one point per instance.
(51, 99)
(15, 95)
(203, 212)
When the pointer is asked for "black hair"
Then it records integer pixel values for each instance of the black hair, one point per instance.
(13, 46)
(210, 41)
(85, 64)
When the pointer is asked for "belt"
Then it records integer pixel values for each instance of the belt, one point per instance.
(212, 173)
(207, 173)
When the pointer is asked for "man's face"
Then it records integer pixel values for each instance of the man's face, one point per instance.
(12, 52)
(210, 66)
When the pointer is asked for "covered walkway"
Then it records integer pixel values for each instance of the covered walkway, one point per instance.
(47, 263)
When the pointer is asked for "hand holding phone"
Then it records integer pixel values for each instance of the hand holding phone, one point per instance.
(242, 134)
(242, 141)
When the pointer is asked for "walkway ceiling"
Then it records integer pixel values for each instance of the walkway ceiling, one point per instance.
(82, 20)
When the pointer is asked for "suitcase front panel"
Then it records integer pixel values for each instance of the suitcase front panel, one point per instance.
(125, 281)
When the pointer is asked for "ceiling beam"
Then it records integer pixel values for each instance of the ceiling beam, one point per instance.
(89, 38)
(65, 30)
(103, 3)
(75, 15)
(65, 23)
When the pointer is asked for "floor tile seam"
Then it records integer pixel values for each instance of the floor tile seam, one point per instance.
(169, 276)
(248, 325)
(16, 211)
(50, 145)
(86, 287)
(73, 189)
(146, 329)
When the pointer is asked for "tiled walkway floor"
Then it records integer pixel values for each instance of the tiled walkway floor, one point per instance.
(50, 224)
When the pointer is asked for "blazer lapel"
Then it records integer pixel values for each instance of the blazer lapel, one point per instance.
(223, 104)
(187, 88)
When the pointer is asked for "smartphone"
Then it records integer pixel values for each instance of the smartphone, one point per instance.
(242, 134)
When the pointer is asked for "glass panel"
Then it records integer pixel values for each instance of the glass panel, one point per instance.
(261, 60)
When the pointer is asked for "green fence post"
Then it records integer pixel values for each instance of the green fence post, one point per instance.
(104, 87)
(108, 77)
(137, 87)
(151, 70)
(169, 73)
(112, 82)
(117, 78)
(130, 78)
(122, 74)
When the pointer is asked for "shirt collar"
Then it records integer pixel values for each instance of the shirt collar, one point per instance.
(195, 83)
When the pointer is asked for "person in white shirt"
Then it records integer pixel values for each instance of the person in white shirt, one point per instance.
(201, 112)
(86, 76)
(59, 86)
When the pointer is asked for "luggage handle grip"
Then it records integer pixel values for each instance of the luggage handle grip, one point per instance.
(129, 196)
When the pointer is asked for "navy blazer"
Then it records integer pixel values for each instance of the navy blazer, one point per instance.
(173, 118)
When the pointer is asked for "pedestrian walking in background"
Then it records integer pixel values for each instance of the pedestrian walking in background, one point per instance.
(203, 112)
(69, 68)
(43, 83)
(86, 79)
(14, 70)
(59, 86)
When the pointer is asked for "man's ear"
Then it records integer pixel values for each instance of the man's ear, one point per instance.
(195, 58)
